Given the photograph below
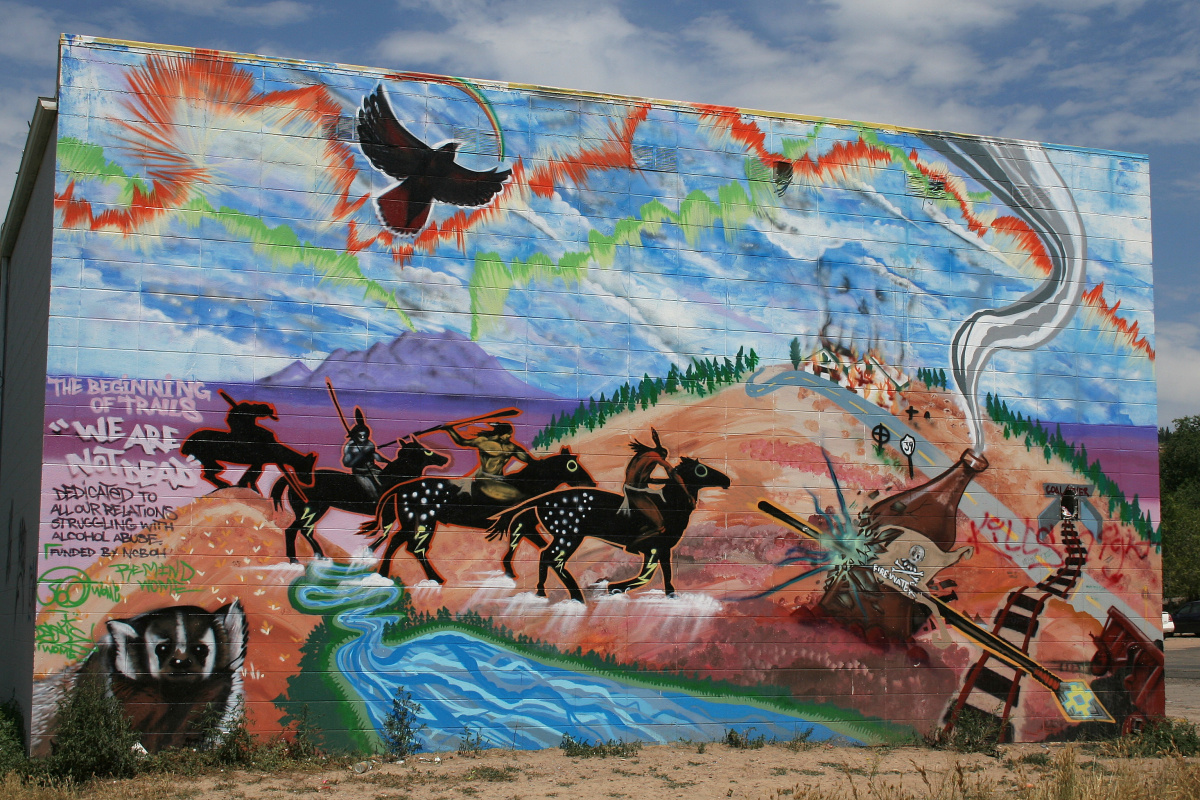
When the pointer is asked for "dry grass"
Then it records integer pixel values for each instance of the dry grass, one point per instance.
(1066, 778)
(771, 773)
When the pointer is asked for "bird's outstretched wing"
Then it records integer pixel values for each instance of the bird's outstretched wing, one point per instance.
(466, 187)
(390, 148)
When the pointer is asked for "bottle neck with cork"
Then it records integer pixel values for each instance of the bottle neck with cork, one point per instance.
(930, 509)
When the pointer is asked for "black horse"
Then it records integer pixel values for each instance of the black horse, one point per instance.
(333, 488)
(245, 442)
(558, 522)
(408, 514)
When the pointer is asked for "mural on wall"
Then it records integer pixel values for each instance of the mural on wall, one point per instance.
(586, 415)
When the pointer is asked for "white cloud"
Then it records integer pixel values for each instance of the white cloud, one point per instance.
(933, 63)
(16, 109)
(272, 14)
(1178, 348)
(569, 44)
(30, 34)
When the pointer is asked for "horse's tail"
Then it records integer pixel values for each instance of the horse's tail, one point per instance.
(505, 520)
(277, 491)
(377, 525)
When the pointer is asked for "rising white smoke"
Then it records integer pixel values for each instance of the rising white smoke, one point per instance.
(1021, 176)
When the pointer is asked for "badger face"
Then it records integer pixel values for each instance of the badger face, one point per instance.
(182, 649)
(179, 645)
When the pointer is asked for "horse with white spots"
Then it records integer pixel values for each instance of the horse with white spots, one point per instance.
(408, 514)
(558, 522)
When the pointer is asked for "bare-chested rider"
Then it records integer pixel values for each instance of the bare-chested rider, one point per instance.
(496, 449)
(639, 496)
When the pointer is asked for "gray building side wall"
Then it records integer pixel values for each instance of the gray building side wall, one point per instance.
(23, 392)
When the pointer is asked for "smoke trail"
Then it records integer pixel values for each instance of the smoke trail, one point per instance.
(1021, 176)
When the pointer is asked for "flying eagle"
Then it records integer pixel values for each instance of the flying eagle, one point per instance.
(425, 174)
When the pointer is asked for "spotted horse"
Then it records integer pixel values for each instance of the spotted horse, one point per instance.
(408, 514)
(558, 522)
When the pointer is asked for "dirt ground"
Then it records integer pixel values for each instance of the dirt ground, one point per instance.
(666, 771)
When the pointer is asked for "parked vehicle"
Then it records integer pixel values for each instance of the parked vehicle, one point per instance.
(1168, 624)
(1187, 618)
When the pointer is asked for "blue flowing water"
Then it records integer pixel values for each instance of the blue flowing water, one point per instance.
(512, 699)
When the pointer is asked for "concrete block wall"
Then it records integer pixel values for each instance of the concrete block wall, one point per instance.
(587, 415)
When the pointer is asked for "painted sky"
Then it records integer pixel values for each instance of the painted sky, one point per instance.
(1119, 75)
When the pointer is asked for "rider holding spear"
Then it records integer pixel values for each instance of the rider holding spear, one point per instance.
(359, 452)
(496, 450)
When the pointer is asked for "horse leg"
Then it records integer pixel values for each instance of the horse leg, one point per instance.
(309, 531)
(418, 545)
(249, 479)
(649, 567)
(666, 573)
(290, 540)
(385, 565)
(543, 570)
(534, 538)
(555, 556)
(568, 580)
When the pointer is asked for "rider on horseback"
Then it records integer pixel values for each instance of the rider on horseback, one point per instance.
(242, 420)
(496, 449)
(639, 496)
(358, 453)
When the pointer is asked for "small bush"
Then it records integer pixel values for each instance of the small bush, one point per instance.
(582, 748)
(1165, 737)
(400, 728)
(234, 745)
(306, 737)
(974, 732)
(470, 745)
(493, 774)
(744, 741)
(1035, 759)
(12, 742)
(801, 740)
(93, 738)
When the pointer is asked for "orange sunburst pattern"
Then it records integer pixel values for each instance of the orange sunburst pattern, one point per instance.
(183, 107)
(845, 156)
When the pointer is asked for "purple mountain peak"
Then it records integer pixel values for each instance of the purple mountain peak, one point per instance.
(415, 361)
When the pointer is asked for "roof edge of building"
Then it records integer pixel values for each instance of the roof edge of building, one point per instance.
(41, 127)
(122, 44)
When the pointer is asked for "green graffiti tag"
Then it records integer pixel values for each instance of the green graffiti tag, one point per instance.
(63, 637)
(70, 587)
(164, 578)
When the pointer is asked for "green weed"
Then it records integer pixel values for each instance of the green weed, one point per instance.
(1166, 737)
(581, 748)
(800, 741)
(974, 732)
(470, 746)
(744, 741)
(492, 774)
